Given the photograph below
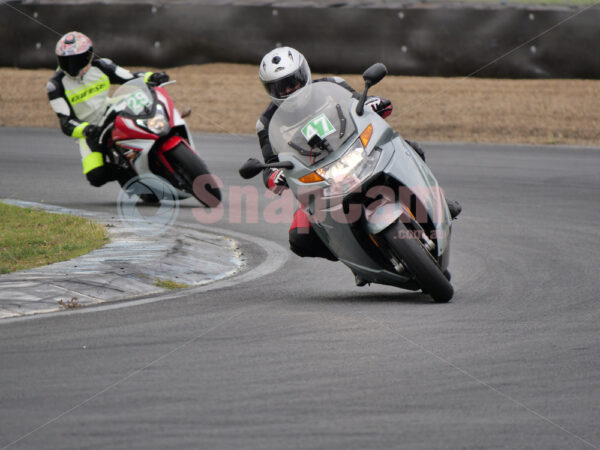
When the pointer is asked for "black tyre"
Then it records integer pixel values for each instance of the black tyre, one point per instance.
(419, 262)
(190, 167)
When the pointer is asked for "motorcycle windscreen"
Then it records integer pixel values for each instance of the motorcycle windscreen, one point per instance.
(134, 98)
(315, 119)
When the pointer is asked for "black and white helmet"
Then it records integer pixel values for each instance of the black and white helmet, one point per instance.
(283, 71)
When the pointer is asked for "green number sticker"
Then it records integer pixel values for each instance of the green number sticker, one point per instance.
(137, 101)
(320, 126)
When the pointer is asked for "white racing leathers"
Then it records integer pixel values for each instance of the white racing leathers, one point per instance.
(79, 102)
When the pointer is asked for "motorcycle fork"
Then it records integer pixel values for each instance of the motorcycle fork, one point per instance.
(411, 226)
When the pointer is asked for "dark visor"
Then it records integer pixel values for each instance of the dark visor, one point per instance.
(73, 64)
(286, 86)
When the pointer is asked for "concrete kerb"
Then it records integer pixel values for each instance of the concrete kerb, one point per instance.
(128, 267)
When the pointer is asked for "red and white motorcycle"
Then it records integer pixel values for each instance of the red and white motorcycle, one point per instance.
(146, 134)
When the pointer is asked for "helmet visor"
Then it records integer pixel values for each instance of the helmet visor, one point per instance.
(284, 87)
(72, 64)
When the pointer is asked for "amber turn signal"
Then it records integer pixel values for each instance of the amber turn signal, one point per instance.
(312, 177)
(365, 136)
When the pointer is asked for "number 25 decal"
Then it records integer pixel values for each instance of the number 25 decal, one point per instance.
(137, 102)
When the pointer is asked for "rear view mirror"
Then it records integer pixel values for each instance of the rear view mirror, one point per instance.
(251, 168)
(374, 74)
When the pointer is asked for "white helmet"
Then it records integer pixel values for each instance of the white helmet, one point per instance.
(283, 71)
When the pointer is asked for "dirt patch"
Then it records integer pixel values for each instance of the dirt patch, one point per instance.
(228, 98)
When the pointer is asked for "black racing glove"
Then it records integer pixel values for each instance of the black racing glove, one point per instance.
(158, 78)
(92, 131)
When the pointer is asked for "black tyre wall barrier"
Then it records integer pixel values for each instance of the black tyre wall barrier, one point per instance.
(492, 42)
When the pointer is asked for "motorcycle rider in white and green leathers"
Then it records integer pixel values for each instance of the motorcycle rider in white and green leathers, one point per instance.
(78, 93)
(283, 72)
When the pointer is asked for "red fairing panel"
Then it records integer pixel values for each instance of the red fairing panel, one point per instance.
(169, 144)
(127, 129)
(300, 220)
(164, 98)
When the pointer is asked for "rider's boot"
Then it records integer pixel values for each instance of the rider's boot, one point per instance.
(149, 198)
(358, 280)
(454, 208)
(124, 176)
(417, 149)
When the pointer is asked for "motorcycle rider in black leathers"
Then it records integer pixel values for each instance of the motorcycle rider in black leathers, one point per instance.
(78, 93)
(283, 71)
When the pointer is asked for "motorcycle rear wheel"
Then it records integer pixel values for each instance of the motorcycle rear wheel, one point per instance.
(189, 167)
(419, 262)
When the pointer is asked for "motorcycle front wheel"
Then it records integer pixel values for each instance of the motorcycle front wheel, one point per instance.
(409, 249)
(194, 176)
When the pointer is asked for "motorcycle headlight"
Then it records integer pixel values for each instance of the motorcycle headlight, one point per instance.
(159, 124)
(344, 166)
(355, 165)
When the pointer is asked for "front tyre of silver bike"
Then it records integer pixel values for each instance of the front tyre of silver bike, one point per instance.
(408, 248)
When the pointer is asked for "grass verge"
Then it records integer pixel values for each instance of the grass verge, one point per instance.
(32, 238)
(169, 284)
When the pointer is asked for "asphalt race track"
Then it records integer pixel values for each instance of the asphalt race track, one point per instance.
(303, 359)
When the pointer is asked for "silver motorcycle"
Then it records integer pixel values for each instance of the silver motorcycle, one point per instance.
(369, 196)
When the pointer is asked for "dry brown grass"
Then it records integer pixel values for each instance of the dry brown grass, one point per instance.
(228, 98)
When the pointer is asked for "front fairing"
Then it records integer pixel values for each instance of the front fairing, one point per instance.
(133, 104)
(323, 111)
